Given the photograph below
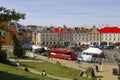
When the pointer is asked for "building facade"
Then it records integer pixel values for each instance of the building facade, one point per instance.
(48, 36)
(94, 36)
(80, 36)
(110, 34)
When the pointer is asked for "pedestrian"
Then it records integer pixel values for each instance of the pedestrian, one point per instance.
(100, 64)
(93, 73)
(44, 73)
(97, 70)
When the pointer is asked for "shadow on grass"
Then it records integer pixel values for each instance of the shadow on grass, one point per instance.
(99, 76)
(25, 57)
(8, 76)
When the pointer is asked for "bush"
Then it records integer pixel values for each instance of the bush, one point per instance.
(103, 43)
(117, 43)
(39, 50)
(18, 50)
(3, 56)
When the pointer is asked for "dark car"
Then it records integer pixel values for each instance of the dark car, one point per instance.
(46, 53)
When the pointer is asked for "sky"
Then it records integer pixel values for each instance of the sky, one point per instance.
(71, 13)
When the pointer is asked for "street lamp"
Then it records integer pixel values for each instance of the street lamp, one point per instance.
(118, 69)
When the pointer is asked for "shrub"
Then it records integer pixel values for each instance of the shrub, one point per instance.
(103, 43)
(18, 50)
(39, 50)
(117, 43)
(3, 55)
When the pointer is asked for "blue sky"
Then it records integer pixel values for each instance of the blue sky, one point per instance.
(69, 12)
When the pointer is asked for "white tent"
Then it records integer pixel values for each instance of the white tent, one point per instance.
(92, 50)
(36, 47)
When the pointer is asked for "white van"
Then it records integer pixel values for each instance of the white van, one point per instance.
(85, 57)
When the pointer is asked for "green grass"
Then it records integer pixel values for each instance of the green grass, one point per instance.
(8, 72)
(55, 69)
(10, 55)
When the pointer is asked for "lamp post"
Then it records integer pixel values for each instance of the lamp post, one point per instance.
(118, 69)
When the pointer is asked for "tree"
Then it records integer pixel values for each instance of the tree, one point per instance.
(117, 43)
(6, 16)
(103, 43)
(40, 50)
(18, 50)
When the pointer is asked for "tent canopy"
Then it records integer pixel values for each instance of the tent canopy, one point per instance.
(36, 47)
(92, 50)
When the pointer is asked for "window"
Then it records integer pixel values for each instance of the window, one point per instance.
(109, 38)
(83, 38)
(114, 39)
(82, 34)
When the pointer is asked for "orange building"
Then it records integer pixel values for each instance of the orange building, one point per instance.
(8, 35)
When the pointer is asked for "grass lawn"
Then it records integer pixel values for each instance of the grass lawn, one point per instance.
(8, 72)
(10, 55)
(56, 70)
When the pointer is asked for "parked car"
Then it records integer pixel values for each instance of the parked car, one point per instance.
(46, 53)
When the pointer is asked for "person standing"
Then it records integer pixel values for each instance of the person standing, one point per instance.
(96, 67)
(100, 64)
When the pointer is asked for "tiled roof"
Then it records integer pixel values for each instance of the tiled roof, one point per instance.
(57, 30)
(46, 30)
(94, 28)
(110, 29)
(61, 30)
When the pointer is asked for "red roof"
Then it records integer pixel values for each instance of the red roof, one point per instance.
(57, 30)
(61, 30)
(110, 29)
